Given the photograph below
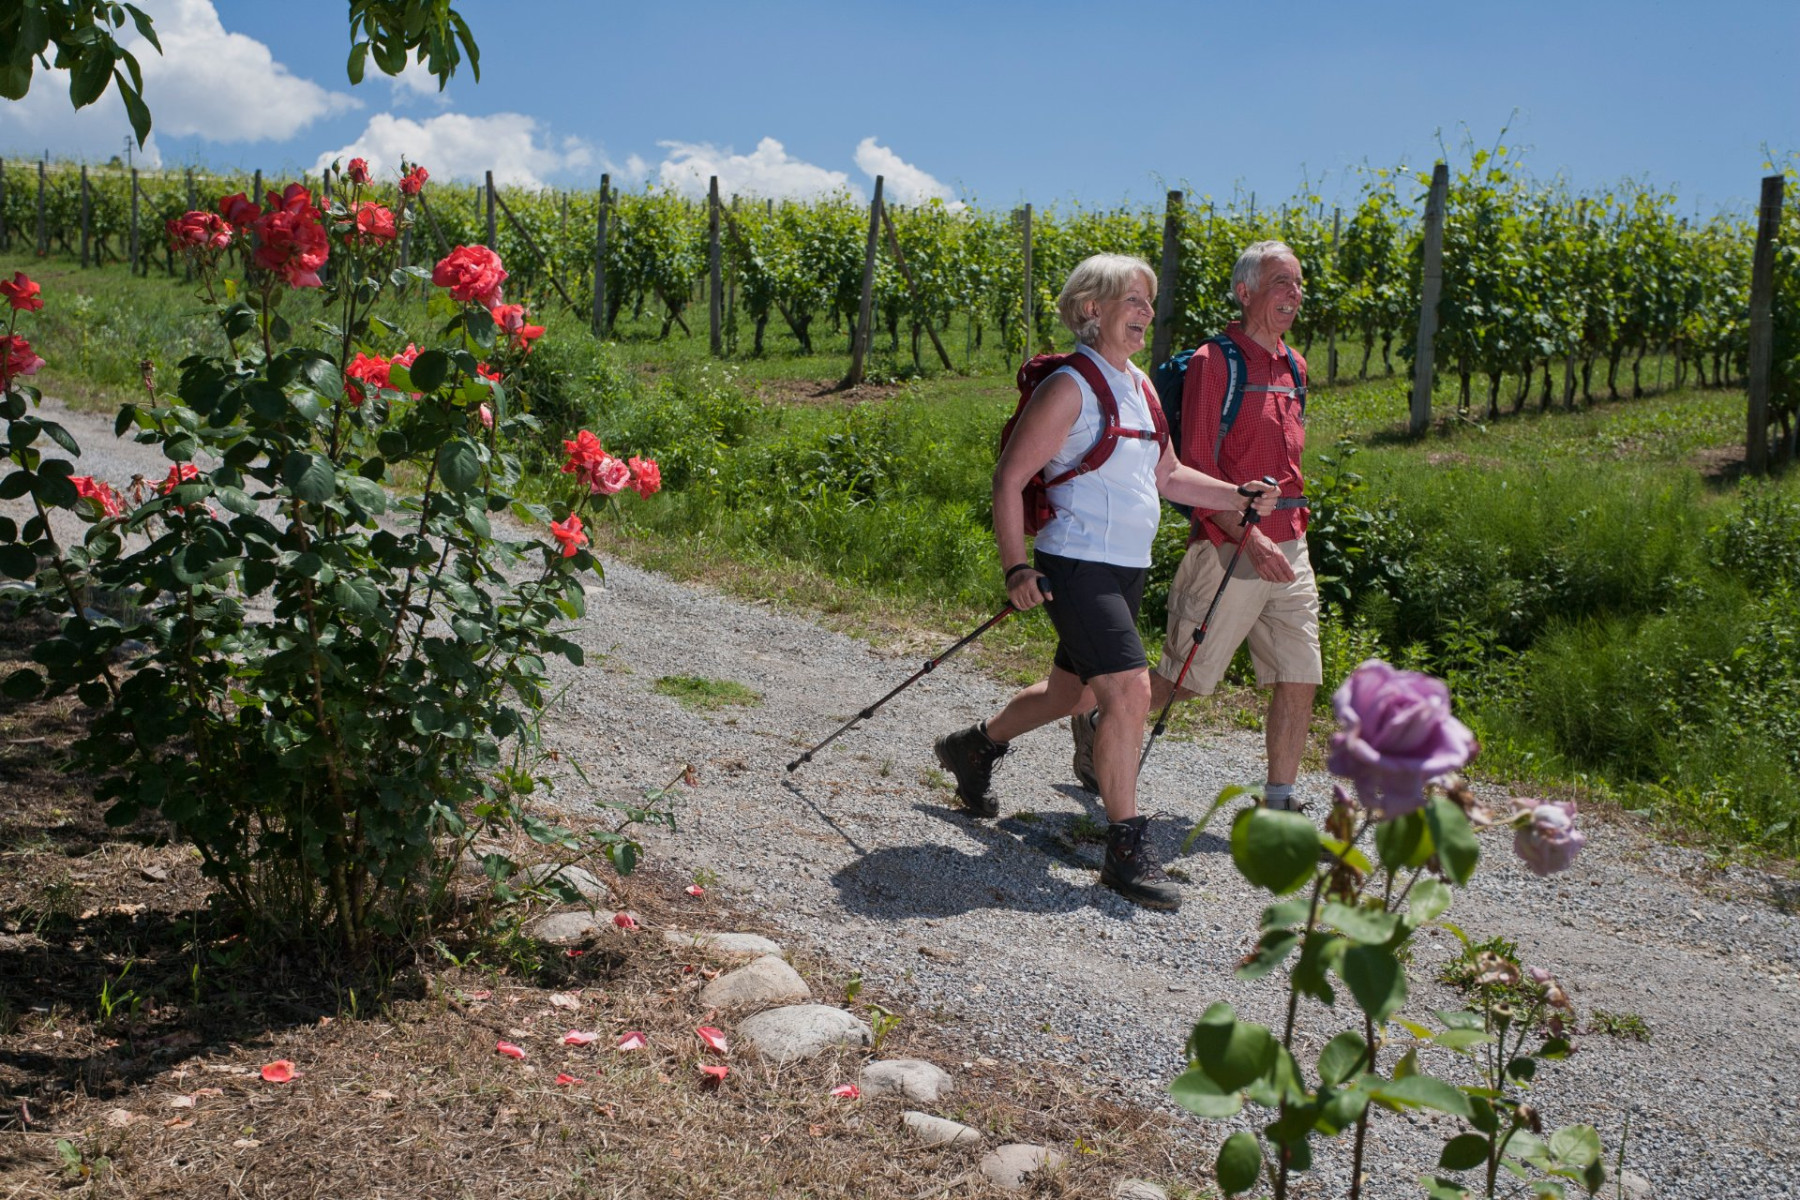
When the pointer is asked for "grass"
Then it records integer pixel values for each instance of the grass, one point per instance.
(707, 695)
(1626, 1025)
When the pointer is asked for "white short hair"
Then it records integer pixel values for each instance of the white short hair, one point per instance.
(1098, 278)
(1247, 271)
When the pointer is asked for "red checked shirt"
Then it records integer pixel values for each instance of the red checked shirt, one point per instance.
(1266, 439)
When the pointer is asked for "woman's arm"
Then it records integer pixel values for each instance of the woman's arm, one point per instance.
(1042, 429)
(1184, 485)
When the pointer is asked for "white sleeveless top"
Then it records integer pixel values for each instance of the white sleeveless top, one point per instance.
(1108, 515)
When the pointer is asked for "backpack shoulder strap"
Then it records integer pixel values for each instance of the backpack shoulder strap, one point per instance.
(1102, 449)
(1158, 418)
(1299, 379)
(1233, 400)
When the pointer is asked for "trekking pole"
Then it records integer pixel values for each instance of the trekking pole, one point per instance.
(930, 666)
(1251, 517)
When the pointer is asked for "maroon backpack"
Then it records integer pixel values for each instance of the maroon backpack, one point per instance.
(1038, 509)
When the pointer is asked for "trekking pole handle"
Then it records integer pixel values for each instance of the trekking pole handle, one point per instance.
(1251, 516)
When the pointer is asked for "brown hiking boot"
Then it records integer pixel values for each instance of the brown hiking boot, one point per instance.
(969, 755)
(1132, 871)
(1082, 725)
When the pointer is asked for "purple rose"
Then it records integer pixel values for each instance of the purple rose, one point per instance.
(1395, 735)
(1549, 841)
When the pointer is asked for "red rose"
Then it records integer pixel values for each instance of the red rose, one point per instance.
(373, 222)
(511, 319)
(16, 358)
(405, 357)
(239, 210)
(178, 474)
(364, 370)
(646, 476)
(413, 182)
(358, 171)
(21, 292)
(473, 274)
(296, 199)
(100, 492)
(488, 373)
(199, 231)
(610, 476)
(293, 243)
(570, 535)
(585, 456)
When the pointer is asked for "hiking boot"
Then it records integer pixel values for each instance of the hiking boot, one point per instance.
(969, 755)
(1132, 871)
(1082, 725)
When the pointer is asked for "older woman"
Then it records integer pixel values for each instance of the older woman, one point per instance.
(1090, 559)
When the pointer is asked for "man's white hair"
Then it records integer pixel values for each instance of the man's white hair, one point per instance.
(1099, 278)
(1247, 271)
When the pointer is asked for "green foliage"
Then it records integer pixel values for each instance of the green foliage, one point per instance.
(706, 695)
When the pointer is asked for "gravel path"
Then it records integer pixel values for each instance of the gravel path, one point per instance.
(862, 858)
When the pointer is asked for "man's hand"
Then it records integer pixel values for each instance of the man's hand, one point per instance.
(1270, 563)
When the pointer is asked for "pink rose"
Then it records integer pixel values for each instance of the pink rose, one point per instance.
(16, 358)
(473, 274)
(199, 231)
(1548, 840)
(364, 370)
(646, 476)
(296, 199)
(511, 319)
(610, 477)
(1395, 734)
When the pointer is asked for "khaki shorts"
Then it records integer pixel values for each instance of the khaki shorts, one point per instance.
(1281, 620)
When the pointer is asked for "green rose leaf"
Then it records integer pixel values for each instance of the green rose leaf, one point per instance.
(1275, 946)
(1464, 1153)
(1403, 842)
(1429, 900)
(1341, 1058)
(1375, 979)
(1442, 1189)
(1230, 1051)
(1239, 1164)
(370, 496)
(309, 477)
(429, 371)
(1455, 840)
(1201, 1096)
(1369, 926)
(1420, 1091)
(1274, 850)
(1575, 1145)
(458, 465)
(23, 684)
(1461, 1039)
(17, 561)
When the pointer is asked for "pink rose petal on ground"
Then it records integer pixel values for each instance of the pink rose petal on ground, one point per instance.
(695, 889)
(715, 1073)
(563, 1080)
(508, 1049)
(279, 1071)
(576, 1037)
(625, 921)
(848, 1091)
(632, 1041)
(713, 1039)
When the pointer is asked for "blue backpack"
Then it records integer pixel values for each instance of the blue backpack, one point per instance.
(1170, 379)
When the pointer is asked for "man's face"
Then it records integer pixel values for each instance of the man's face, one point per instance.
(1276, 301)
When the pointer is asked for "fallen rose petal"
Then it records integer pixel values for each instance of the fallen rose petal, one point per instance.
(246, 1143)
(481, 995)
(847, 1091)
(715, 1072)
(695, 889)
(563, 1080)
(632, 1041)
(573, 953)
(565, 1000)
(576, 1037)
(713, 1039)
(182, 1102)
(508, 1049)
(625, 921)
(279, 1071)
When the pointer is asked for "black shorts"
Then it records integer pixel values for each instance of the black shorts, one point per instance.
(1094, 609)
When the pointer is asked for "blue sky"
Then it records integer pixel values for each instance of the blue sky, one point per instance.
(999, 102)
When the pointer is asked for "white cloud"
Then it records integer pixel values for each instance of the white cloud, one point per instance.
(454, 146)
(902, 183)
(224, 87)
(767, 171)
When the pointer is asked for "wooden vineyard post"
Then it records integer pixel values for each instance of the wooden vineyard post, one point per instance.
(865, 312)
(43, 233)
(490, 212)
(436, 233)
(134, 220)
(86, 208)
(1164, 336)
(1025, 234)
(600, 330)
(1337, 225)
(1762, 327)
(537, 252)
(715, 307)
(1431, 286)
(893, 241)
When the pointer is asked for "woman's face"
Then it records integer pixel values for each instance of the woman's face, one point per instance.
(1125, 319)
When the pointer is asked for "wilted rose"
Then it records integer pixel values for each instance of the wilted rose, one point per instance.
(1548, 840)
(1395, 735)
(473, 274)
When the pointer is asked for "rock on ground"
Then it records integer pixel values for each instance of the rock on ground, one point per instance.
(768, 980)
(939, 1131)
(723, 945)
(784, 1035)
(913, 1078)
(1011, 1165)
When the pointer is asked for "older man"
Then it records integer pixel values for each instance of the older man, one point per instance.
(1272, 600)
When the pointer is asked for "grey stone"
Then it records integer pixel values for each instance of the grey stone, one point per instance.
(1137, 1189)
(579, 878)
(1635, 1186)
(1009, 1166)
(768, 980)
(784, 1035)
(939, 1131)
(558, 928)
(910, 1077)
(723, 944)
